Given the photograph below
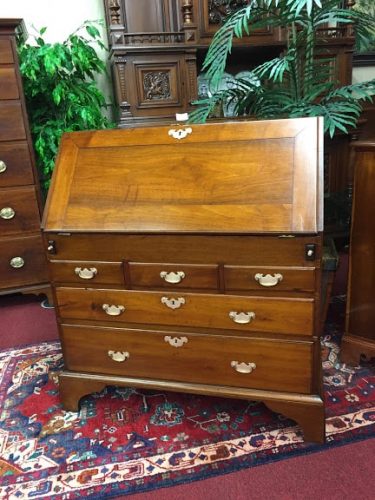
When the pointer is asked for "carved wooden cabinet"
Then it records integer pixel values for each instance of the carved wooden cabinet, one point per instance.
(189, 259)
(157, 48)
(359, 340)
(22, 260)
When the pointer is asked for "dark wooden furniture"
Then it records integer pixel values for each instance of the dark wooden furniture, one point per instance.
(359, 339)
(22, 260)
(189, 259)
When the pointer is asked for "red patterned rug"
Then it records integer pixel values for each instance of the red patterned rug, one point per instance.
(125, 440)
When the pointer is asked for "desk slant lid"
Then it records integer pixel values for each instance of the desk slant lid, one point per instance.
(231, 177)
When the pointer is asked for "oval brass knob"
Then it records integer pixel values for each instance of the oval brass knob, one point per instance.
(243, 367)
(7, 213)
(86, 273)
(119, 356)
(17, 262)
(175, 341)
(268, 279)
(242, 318)
(172, 277)
(3, 166)
(113, 310)
(173, 303)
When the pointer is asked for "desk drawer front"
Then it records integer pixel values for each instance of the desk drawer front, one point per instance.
(246, 314)
(18, 211)
(267, 279)
(87, 272)
(173, 276)
(6, 53)
(251, 363)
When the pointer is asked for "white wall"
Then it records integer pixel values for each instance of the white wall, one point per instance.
(363, 74)
(61, 19)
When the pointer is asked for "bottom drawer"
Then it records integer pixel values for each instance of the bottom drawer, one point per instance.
(22, 262)
(207, 359)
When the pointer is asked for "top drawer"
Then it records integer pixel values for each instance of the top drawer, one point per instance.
(6, 53)
(286, 279)
(173, 276)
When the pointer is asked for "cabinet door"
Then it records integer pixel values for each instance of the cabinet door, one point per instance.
(212, 13)
(155, 86)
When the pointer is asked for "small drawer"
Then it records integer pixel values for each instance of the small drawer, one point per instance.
(15, 164)
(22, 261)
(110, 273)
(6, 52)
(288, 279)
(250, 363)
(12, 126)
(228, 312)
(8, 84)
(19, 211)
(173, 275)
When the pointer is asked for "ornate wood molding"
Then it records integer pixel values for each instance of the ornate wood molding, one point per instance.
(220, 9)
(156, 85)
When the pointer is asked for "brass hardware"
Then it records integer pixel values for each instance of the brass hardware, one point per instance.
(86, 273)
(173, 303)
(286, 236)
(113, 310)
(180, 133)
(268, 279)
(3, 166)
(175, 341)
(310, 250)
(7, 213)
(242, 318)
(172, 277)
(119, 356)
(17, 262)
(51, 246)
(243, 367)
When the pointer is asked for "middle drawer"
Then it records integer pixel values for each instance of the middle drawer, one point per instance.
(18, 211)
(229, 312)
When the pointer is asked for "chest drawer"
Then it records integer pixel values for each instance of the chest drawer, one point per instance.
(173, 275)
(219, 360)
(6, 53)
(110, 273)
(246, 314)
(22, 261)
(8, 84)
(265, 279)
(11, 121)
(18, 210)
(15, 164)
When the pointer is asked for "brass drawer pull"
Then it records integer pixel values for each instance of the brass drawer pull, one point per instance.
(113, 310)
(175, 341)
(173, 303)
(242, 318)
(243, 367)
(268, 279)
(3, 166)
(7, 213)
(180, 133)
(172, 277)
(119, 356)
(86, 273)
(17, 262)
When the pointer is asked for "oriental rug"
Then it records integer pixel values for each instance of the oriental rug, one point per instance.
(125, 440)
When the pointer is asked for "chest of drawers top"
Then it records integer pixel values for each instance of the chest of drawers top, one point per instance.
(222, 178)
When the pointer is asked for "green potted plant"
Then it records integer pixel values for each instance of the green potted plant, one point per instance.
(300, 82)
(60, 90)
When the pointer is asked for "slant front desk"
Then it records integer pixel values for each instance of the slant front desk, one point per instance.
(188, 258)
